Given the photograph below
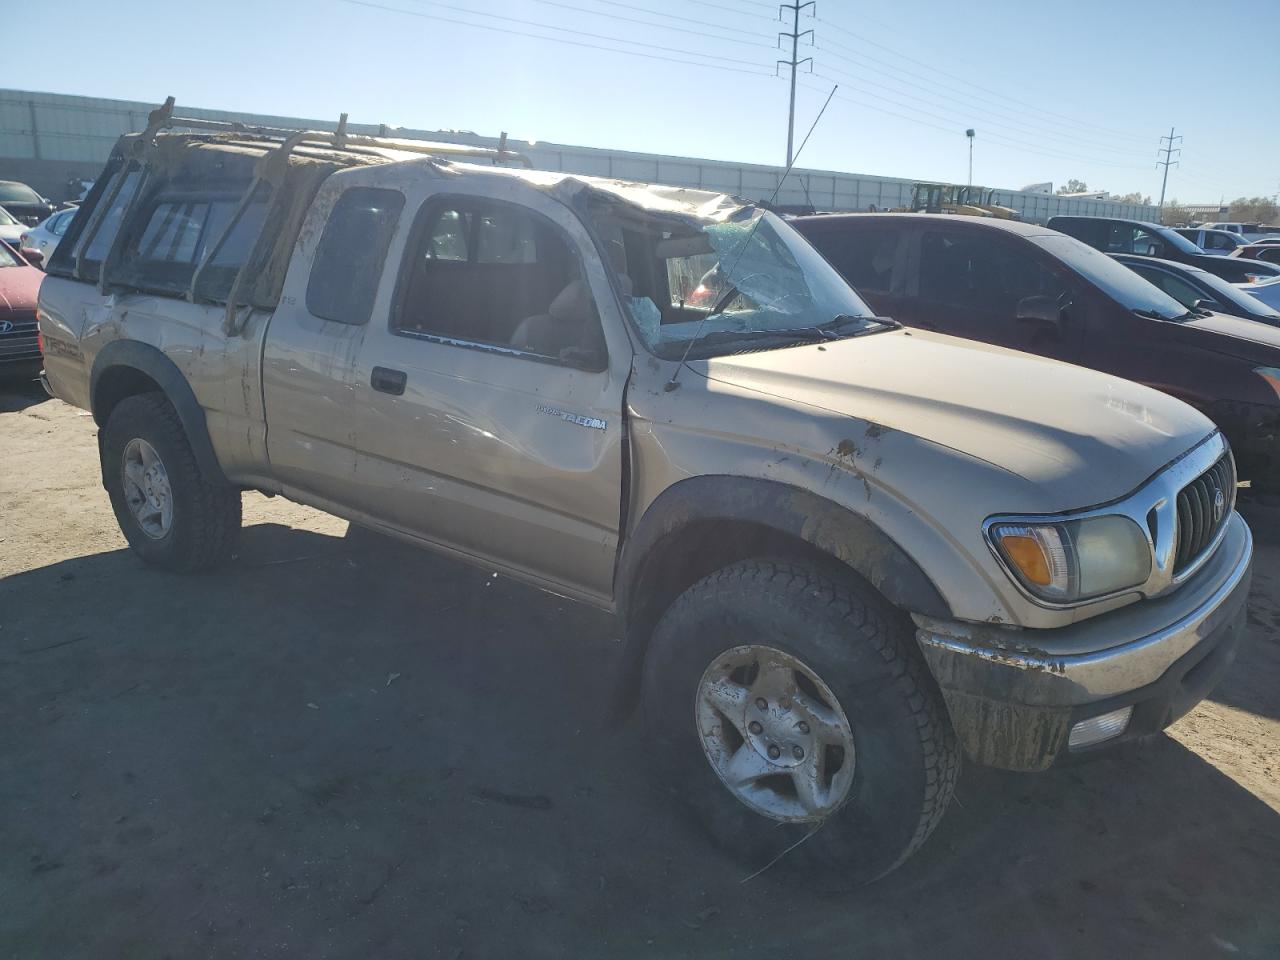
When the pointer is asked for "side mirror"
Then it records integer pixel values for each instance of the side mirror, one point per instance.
(1040, 309)
(33, 257)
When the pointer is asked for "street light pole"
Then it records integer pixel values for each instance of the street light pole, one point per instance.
(969, 133)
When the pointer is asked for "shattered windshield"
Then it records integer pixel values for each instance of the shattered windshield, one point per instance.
(720, 286)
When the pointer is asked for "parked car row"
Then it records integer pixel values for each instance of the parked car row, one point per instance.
(20, 356)
(1033, 289)
(848, 537)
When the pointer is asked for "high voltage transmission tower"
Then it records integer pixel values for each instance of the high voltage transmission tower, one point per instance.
(1168, 161)
(795, 35)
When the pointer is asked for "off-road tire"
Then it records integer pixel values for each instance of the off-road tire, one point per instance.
(206, 512)
(907, 759)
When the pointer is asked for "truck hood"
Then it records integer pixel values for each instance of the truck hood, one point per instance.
(1080, 436)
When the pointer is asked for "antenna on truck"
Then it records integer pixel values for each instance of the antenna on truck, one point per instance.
(742, 248)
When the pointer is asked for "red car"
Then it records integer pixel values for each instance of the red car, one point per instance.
(19, 347)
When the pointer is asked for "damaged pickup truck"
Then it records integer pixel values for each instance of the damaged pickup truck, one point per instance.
(843, 553)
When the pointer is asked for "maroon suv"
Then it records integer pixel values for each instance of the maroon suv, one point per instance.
(1034, 289)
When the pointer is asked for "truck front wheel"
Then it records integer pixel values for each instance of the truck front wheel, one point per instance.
(792, 713)
(171, 513)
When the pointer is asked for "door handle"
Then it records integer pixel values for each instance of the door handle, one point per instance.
(386, 380)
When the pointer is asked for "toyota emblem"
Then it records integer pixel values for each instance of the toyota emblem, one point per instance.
(1219, 505)
(6, 326)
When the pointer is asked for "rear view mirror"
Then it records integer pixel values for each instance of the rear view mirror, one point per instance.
(1204, 303)
(1154, 250)
(1040, 309)
(691, 246)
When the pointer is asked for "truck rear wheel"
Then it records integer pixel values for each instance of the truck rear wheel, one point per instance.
(171, 513)
(783, 704)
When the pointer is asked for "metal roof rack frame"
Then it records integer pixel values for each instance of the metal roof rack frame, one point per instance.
(269, 169)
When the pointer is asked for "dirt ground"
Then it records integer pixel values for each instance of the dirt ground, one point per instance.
(344, 748)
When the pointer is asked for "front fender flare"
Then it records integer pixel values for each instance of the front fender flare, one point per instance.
(780, 509)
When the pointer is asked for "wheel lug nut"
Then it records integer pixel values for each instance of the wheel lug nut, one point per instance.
(774, 752)
(754, 727)
(797, 752)
(785, 703)
(762, 703)
(802, 727)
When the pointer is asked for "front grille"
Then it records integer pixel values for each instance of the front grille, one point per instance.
(1199, 515)
(19, 343)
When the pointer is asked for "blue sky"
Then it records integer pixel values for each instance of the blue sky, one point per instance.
(1054, 90)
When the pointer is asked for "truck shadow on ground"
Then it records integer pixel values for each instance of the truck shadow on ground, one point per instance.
(17, 395)
(351, 748)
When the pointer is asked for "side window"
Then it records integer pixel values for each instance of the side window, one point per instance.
(218, 277)
(505, 236)
(971, 272)
(349, 258)
(60, 223)
(864, 257)
(487, 272)
(449, 237)
(106, 230)
(176, 231)
(1175, 287)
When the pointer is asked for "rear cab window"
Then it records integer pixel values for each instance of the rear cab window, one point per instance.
(349, 259)
(177, 229)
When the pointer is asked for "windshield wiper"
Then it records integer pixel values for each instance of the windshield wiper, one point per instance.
(1153, 315)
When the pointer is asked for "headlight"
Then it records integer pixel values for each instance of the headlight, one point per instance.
(1272, 376)
(1072, 560)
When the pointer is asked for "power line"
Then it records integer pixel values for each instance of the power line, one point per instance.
(579, 33)
(953, 130)
(933, 91)
(977, 114)
(672, 16)
(574, 43)
(737, 10)
(999, 138)
(659, 26)
(1109, 130)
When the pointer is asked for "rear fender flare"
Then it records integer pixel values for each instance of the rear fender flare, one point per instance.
(148, 360)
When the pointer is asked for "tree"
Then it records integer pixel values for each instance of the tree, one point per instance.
(1253, 210)
(1073, 186)
(1134, 197)
(1175, 214)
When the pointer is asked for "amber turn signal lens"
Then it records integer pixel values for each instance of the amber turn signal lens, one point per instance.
(1027, 555)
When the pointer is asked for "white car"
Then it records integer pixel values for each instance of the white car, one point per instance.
(1268, 291)
(11, 229)
(1249, 232)
(43, 238)
(1217, 243)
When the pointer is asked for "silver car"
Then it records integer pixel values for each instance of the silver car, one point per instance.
(11, 228)
(41, 240)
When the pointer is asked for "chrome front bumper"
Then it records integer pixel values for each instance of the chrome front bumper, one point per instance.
(1014, 694)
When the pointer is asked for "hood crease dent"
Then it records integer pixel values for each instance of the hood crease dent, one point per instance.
(1083, 438)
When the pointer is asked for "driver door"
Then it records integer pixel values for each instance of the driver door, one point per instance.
(489, 386)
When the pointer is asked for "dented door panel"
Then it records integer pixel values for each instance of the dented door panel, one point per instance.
(489, 451)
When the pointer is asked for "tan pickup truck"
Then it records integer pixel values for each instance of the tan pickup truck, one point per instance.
(843, 553)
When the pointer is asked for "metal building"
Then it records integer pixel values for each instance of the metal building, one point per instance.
(48, 140)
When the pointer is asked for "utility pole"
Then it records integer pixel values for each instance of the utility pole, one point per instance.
(969, 133)
(795, 7)
(1168, 160)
